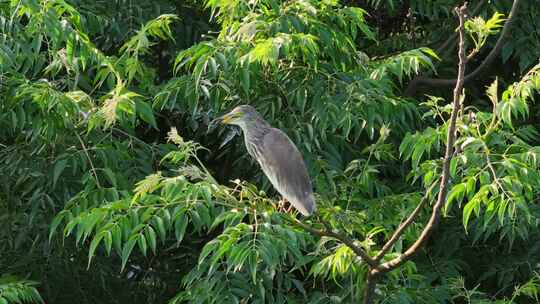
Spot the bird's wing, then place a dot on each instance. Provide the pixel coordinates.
(283, 164)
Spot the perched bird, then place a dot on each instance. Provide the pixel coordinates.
(277, 155)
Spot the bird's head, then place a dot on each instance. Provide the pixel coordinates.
(239, 115)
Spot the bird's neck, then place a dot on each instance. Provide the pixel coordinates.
(254, 132)
(256, 128)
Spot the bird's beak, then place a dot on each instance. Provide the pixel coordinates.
(215, 122)
(225, 119)
(221, 119)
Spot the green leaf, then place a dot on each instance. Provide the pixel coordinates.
(126, 250)
(142, 243)
(146, 113)
(108, 242)
(456, 194)
(471, 186)
(207, 249)
(222, 218)
(93, 246)
(180, 225)
(472, 144)
(56, 221)
(468, 210)
(453, 166)
(110, 176)
(58, 168)
(68, 230)
(245, 78)
(252, 264)
(151, 237)
(117, 238)
(160, 228)
(213, 67)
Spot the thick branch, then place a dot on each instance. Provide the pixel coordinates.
(369, 288)
(399, 231)
(342, 238)
(413, 85)
(451, 138)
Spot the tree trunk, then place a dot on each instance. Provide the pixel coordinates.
(369, 289)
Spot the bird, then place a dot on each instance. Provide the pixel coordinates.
(277, 155)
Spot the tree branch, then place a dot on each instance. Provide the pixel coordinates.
(399, 231)
(376, 270)
(413, 85)
(451, 138)
(341, 237)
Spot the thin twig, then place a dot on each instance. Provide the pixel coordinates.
(494, 172)
(328, 232)
(413, 85)
(92, 168)
(451, 139)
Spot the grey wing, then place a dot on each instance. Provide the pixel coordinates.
(285, 168)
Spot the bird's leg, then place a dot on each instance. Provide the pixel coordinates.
(289, 208)
(281, 205)
(284, 206)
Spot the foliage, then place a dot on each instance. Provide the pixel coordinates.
(114, 187)
(13, 290)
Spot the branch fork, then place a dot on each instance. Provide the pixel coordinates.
(377, 268)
